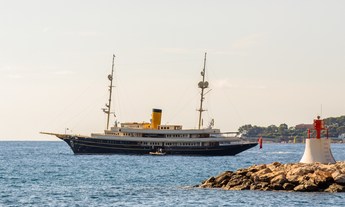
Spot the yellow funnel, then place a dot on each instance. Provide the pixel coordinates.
(156, 118)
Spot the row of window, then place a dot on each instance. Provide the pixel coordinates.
(183, 144)
(177, 135)
(161, 135)
(113, 142)
(171, 144)
(160, 143)
(113, 133)
(151, 143)
(140, 135)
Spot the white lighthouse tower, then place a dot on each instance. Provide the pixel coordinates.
(318, 149)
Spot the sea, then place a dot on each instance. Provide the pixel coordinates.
(49, 174)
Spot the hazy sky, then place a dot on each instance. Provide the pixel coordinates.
(269, 62)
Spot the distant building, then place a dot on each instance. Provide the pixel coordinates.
(304, 126)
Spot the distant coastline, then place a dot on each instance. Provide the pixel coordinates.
(294, 134)
(292, 140)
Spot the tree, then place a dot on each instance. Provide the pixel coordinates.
(283, 130)
(245, 129)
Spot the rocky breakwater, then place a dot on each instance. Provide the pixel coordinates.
(302, 177)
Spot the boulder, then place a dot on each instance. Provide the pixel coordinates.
(261, 175)
(288, 186)
(310, 186)
(242, 172)
(235, 180)
(260, 186)
(208, 183)
(326, 167)
(341, 166)
(339, 177)
(223, 178)
(299, 188)
(275, 186)
(279, 179)
(245, 185)
(322, 178)
(334, 188)
(274, 166)
(301, 170)
(294, 179)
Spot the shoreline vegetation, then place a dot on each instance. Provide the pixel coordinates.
(296, 134)
(292, 177)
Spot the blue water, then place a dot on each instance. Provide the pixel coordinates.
(49, 174)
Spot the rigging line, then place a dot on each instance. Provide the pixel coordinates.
(119, 97)
(184, 100)
(209, 112)
(157, 62)
(177, 112)
(211, 87)
(233, 106)
(70, 104)
(188, 101)
(84, 112)
(117, 103)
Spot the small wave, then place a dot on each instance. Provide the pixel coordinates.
(187, 187)
(280, 152)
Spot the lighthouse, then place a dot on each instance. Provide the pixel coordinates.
(318, 149)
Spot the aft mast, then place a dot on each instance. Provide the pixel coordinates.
(202, 84)
(108, 105)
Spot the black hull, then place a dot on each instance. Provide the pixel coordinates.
(95, 146)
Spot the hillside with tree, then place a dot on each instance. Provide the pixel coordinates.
(335, 125)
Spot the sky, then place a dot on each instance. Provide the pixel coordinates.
(268, 62)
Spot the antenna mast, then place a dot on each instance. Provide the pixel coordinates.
(321, 111)
(202, 84)
(108, 106)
